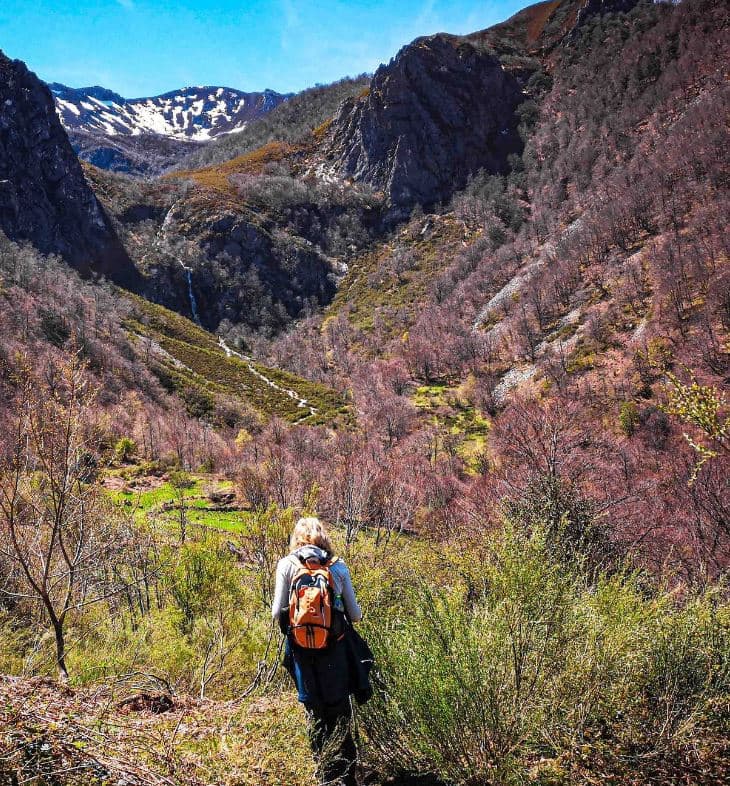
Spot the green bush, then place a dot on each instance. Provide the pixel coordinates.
(202, 579)
(628, 417)
(125, 449)
(574, 534)
(205, 635)
(55, 328)
(479, 689)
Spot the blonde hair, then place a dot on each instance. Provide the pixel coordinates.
(310, 531)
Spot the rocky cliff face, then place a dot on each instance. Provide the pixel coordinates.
(44, 197)
(439, 111)
(219, 264)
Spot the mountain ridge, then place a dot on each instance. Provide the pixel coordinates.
(44, 196)
(192, 113)
(148, 135)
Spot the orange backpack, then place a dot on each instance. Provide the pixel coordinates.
(313, 622)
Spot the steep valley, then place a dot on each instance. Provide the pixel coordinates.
(473, 311)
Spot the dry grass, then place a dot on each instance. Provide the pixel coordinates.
(116, 733)
(321, 130)
(537, 17)
(218, 176)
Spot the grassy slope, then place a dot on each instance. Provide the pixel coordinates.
(193, 361)
(216, 176)
(163, 503)
(449, 410)
(373, 289)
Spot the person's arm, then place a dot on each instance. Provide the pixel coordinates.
(354, 612)
(280, 602)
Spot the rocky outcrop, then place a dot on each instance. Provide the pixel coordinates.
(237, 269)
(438, 112)
(44, 197)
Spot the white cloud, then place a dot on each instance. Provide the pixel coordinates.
(291, 23)
(426, 15)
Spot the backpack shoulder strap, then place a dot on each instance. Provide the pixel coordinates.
(299, 569)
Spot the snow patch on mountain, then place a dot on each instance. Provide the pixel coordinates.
(192, 114)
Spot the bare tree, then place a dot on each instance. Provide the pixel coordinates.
(351, 491)
(56, 531)
(181, 483)
(393, 505)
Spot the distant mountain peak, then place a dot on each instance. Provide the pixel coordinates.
(96, 91)
(194, 113)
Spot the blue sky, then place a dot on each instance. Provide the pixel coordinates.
(146, 47)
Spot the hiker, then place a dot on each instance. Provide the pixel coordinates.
(314, 602)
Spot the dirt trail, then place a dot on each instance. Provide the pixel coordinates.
(301, 402)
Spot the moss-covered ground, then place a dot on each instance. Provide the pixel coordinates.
(448, 408)
(164, 502)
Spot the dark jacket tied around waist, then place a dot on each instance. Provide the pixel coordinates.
(326, 678)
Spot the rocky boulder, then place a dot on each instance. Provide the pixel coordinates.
(44, 196)
(441, 110)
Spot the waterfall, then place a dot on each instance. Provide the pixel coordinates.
(191, 294)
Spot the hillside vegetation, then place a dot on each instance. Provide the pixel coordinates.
(510, 408)
(558, 298)
(191, 362)
(479, 674)
(162, 379)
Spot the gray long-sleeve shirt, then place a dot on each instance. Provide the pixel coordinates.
(288, 567)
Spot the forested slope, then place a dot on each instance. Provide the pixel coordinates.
(506, 395)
